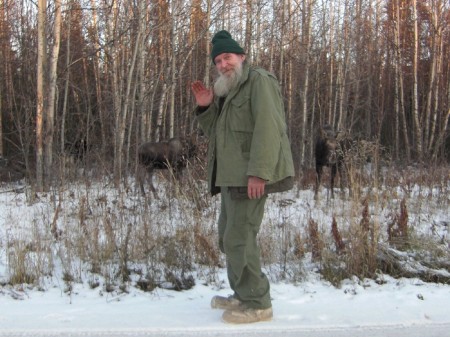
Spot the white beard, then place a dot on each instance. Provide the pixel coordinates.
(225, 83)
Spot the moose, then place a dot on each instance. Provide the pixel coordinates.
(172, 154)
(330, 149)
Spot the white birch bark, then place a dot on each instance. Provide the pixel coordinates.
(399, 82)
(40, 89)
(306, 38)
(50, 108)
(415, 98)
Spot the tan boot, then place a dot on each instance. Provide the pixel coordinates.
(225, 303)
(244, 316)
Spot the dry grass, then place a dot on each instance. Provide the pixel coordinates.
(115, 238)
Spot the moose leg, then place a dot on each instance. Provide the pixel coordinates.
(150, 182)
(333, 175)
(172, 181)
(141, 172)
(176, 178)
(319, 169)
(344, 178)
(145, 175)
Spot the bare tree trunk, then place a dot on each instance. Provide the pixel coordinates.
(4, 50)
(415, 98)
(116, 53)
(249, 29)
(396, 111)
(141, 111)
(208, 45)
(282, 37)
(436, 86)
(330, 118)
(172, 88)
(138, 89)
(340, 81)
(313, 109)
(341, 78)
(160, 120)
(399, 82)
(426, 118)
(256, 56)
(440, 141)
(130, 128)
(306, 44)
(49, 124)
(272, 36)
(128, 102)
(433, 103)
(149, 115)
(331, 65)
(66, 84)
(40, 87)
(98, 78)
(1, 124)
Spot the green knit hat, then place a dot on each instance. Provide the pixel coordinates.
(223, 43)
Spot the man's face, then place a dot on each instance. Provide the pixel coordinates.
(226, 63)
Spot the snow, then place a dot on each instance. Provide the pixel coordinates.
(311, 307)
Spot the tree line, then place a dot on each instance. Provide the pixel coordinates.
(98, 77)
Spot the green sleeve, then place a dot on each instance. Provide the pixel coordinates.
(267, 110)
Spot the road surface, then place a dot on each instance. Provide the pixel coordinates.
(432, 330)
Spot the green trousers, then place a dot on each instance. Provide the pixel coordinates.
(239, 224)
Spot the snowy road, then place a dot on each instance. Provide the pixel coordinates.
(397, 308)
(432, 330)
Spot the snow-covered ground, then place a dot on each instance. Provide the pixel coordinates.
(311, 307)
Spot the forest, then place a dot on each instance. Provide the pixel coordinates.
(84, 82)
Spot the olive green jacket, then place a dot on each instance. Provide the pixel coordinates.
(248, 137)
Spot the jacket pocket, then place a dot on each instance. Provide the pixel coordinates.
(240, 116)
(244, 139)
(241, 124)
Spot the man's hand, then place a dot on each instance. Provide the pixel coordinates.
(203, 95)
(255, 187)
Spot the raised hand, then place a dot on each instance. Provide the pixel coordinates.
(203, 95)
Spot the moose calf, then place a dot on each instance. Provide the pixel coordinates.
(171, 154)
(329, 151)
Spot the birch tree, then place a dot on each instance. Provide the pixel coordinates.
(415, 93)
(40, 91)
(127, 66)
(99, 69)
(306, 50)
(50, 107)
(3, 52)
(432, 126)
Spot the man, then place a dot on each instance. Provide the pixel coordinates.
(249, 156)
